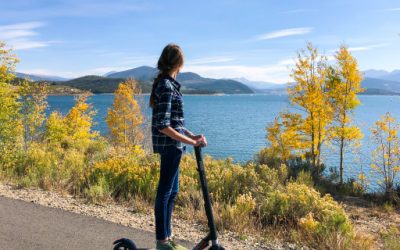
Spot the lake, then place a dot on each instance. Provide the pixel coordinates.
(235, 124)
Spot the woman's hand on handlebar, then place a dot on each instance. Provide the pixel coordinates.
(200, 140)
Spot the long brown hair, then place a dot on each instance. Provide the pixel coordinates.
(171, 60)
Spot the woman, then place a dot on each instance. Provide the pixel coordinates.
(168, 135)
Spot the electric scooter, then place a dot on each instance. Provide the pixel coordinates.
(127, 244)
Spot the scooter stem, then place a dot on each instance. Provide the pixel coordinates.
(212, 236)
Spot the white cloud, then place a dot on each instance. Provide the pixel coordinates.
(368, 47)
(287, 62)
(22, 26)
(275, 73)
(87, 8)
(45, 72)
(209, 60)
(269, 73)
(392, 9)
(19, 30)
(13, 34)
(284, 33)
(19, 36)
(72, 74)
(28, 44)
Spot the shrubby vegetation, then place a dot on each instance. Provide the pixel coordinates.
(62, 152)
(391, 238)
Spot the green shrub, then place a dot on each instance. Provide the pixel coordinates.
(39, 168)
(127, 176)
(297, 204)
(391, 238)
(305, 178)
(239, 216)
(51, 168)
(71, 171)
(99, 191)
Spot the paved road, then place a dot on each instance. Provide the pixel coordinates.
(25, 225)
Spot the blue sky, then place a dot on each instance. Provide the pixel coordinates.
(253, 39)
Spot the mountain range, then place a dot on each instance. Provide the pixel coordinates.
(374, 82)
(37, 77)
(382, 74)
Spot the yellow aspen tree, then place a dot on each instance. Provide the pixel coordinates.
(33, 98)
(125, 118)
(10, 125)
(8, 61)
(343, 85)
(55, 129)
(74, 129)
(10, 122)
(284, 137)
(309, 94)
(386, 155)
(79, 122)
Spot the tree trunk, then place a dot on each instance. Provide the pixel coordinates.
(341, 159)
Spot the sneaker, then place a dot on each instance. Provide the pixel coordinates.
(164, 246)
(177, 246)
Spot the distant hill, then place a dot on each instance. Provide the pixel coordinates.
(191, 82)
(54, 88)
(35, 77)
(100, 84)
(377, 82)
(372, 91)
(372, 86)
(386, 86)
(143, 73)
(109, 73)
(226, 86)
(147, 73)
(189, 77)
(260, 85)
(382, 74)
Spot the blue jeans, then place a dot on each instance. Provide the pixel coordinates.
(168, 187)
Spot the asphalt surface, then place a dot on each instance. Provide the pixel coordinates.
(25, 225)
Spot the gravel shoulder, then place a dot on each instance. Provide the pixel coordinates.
(26, 225)
(60, 215)
(108, 217)
(370, 219)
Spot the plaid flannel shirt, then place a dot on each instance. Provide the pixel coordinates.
(168, 111)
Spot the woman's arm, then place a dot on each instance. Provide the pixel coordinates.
(179, 137)
(189, 134)
(196, 137)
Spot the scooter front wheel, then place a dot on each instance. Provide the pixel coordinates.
(124, 244)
